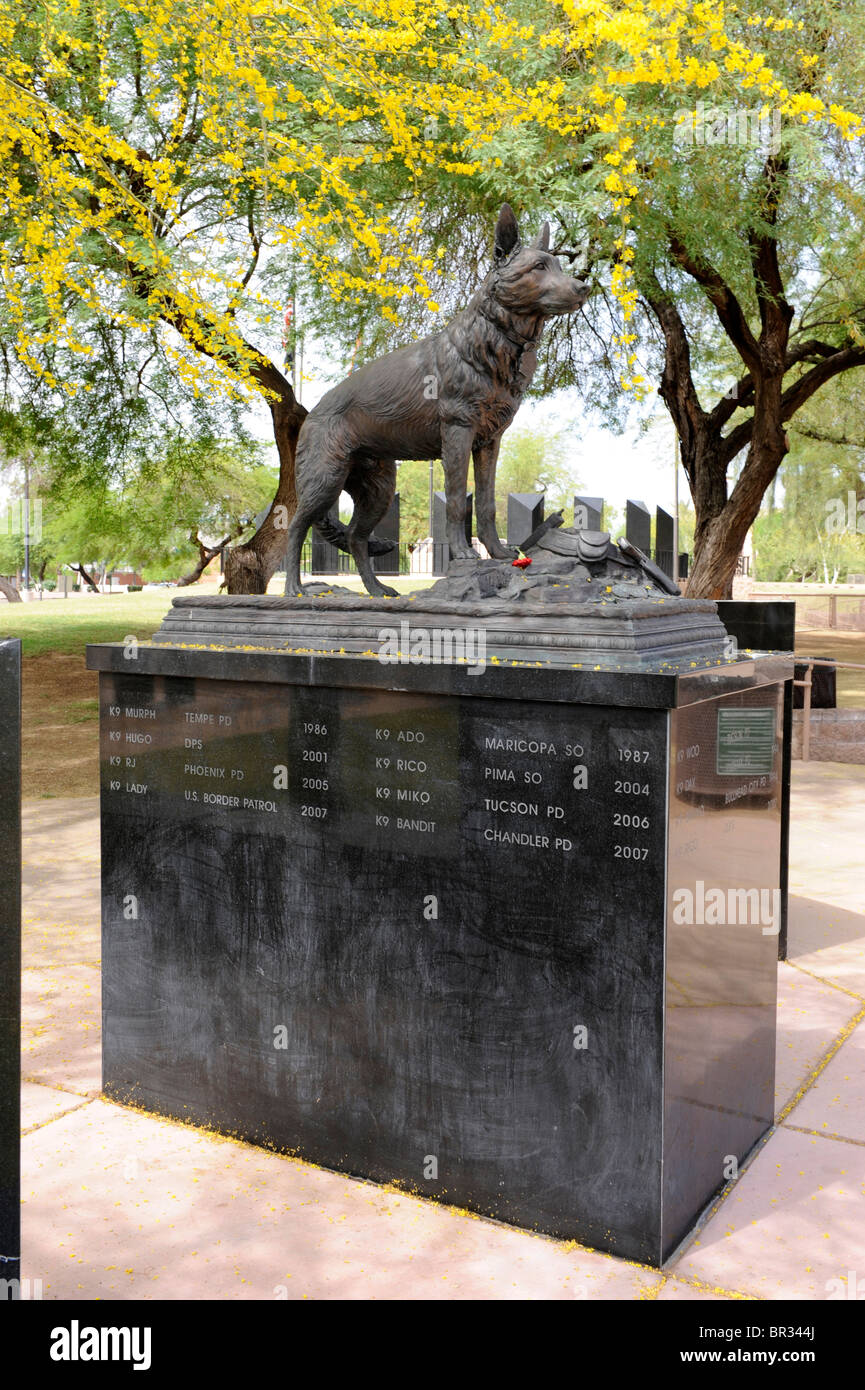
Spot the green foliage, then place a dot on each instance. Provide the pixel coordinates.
(687, 527)
(412, 481)
(194, 487)
(533, 458)
(805, 531)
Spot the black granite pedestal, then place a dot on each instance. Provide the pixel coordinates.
(10, 967)
(457, 930)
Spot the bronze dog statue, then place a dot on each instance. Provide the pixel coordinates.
(447, 396)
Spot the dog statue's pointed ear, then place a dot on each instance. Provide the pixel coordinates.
(507, 235)
(542, 240)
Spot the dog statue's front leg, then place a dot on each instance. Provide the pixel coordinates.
(485, 457)
(456, 448)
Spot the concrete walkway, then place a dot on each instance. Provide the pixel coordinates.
(119, 1204)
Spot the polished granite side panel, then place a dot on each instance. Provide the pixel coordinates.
(366, 926)
(769, 625)
(10, 956)
(763, 625)
(721, 965)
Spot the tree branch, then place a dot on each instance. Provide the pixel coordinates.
(206, 553)
(677, 384)
(796, 395)
(775, 313)
(722, 298)
(843, 441)
(802, 390)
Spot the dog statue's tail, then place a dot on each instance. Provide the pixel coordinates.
(334, 531)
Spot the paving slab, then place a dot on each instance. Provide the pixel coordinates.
(119, 1204)
(811, 1014)
(835, 1104)
(681, 1291)
(60, 903)
(40, 1104)
(825, 833)
(62, 1026)
(826, 926)
(828, 940)
(794, 1222)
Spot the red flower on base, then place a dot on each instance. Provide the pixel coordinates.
(521, 564)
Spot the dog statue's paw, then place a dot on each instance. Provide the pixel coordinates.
(502, 552)
(384, 591)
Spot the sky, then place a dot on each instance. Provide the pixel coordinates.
(613, 466)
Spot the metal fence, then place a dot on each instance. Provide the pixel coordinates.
(809, 663)
(815, 608)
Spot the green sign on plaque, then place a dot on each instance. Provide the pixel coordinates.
(746, 742)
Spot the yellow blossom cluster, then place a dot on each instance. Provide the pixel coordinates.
(286, 106)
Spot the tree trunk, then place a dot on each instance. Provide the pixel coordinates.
(707, 477)
(722, 523)
(91, 583)
(720, 535)
(715, 561)
(249, 567)
(7, 588)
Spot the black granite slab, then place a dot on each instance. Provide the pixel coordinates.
(441, 548)
(10, 964)
(423, 934)
(621, 687)
(388, 530)
(638, 525)
(324, 555)
(589, 513)
(762, 625)
(665, 542)
(525, 514)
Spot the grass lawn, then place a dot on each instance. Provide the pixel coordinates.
(65, 626)
(60, 709)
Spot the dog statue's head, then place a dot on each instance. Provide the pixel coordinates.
(528, 280)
